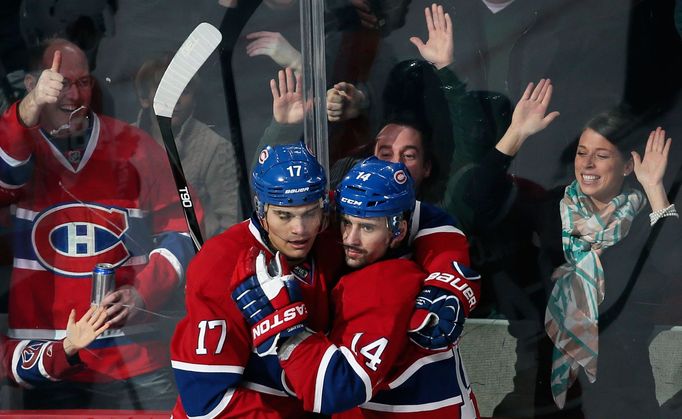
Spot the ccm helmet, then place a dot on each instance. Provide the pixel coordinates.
(377, 188)
(288, 175)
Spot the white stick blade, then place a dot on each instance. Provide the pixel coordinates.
(196, 49)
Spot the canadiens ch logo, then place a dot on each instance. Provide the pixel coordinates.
(400, 177)
(30, 355)
(70, 239)
(263, 156)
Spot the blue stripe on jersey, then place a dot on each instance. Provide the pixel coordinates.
(431, 216)
(178, 244)
(202, 391)
(15, 173)
(431, 383)
(342, 388)
(29, 362)
(265, 371)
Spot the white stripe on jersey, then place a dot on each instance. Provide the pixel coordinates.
(15, 363)
(34, 265)
(41, 366)
(409, 371)
(8, 186)
(263, 389)
(468, 411)
(319, 379)
(59, 334)
(173, 260)
(404, 408)
(30, 215)
(440, 229)
(11, 160)
(188, 366)
(359, 371)
(218, 409)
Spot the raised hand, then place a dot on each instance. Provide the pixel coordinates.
(651, 169)
(344, 101)
(530, 115)
(438, 49)
(275, 46)
(287, 99)
(45, 90)
(82, 333)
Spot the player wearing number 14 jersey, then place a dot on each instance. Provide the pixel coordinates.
(217, 373)
(367, 360)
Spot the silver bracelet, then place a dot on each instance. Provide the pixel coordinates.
(668, 211)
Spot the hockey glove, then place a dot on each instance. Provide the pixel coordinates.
(438, 319)
(271, 302)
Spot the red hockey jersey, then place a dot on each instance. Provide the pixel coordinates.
(118, 206)
(368, 351)
(217, 373)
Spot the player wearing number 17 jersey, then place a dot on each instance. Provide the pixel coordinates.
(216, 372)
(366, 360)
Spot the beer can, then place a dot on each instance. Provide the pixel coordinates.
(103, 282)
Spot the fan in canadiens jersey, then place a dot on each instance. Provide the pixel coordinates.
(86, 189)
(366, 359)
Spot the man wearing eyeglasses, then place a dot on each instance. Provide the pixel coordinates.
(86, 189)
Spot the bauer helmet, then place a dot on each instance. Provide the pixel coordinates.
(288, 175)
(377, 188)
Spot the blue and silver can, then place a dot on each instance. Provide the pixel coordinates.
(103, 282)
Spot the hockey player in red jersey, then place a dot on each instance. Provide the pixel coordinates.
(86, 189)
(366, 360)
(211, 351)
(216, 372)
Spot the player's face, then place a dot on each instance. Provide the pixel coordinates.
(365, 240)
(599, 168)
(292, 230)
(399, 143)
(76, 93)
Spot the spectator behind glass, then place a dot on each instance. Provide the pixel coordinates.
(208, 160)
(595, 226)
(86, 189)
(416, 95)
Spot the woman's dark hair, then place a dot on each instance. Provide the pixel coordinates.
(616, 125)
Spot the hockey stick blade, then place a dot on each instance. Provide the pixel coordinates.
(196, 49)
(190, 57)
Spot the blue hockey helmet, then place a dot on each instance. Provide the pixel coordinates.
(288, 175)
(377, 188)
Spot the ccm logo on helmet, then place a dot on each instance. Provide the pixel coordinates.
(351, 201)
(455, 282)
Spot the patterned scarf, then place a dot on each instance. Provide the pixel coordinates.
(572, 315)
